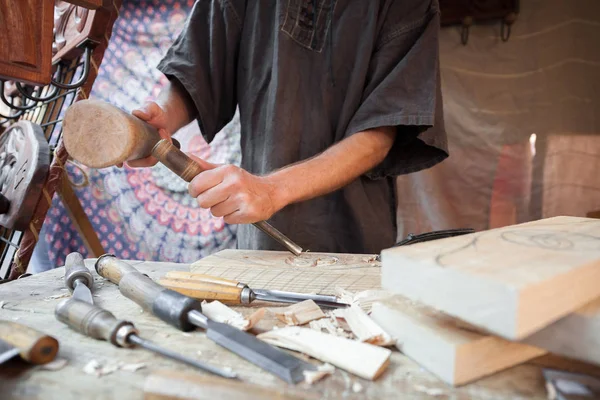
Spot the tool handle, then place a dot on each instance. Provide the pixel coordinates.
(94, 321)
(182, 165)
(35, 347)
(75, 269)
(204, 290)
(204, 278)
(168, 305)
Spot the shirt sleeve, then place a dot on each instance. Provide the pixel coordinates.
(403, 89)
(203, 59)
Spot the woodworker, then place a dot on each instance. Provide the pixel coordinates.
(336, 98)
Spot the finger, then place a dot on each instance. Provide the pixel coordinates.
(236, 217)
(142, 162)
(204, 164)
(212, 197)
(142, 113)
(165, 135)
(204, 181)
(226, 207)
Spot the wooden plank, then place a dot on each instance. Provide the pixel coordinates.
(28, 301)
(309, 273)
(26, 45)
(435, 341)
(511, 281)
(576, 336)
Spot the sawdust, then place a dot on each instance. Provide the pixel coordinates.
(322, 371)
(55, 365)
(94, 367)
(357, 387)
(132, 367)
(429, 391)
(57, 296)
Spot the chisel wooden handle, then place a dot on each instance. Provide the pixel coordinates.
(35, 347)
(168, 305)
(204, 278)
(204, 290)
(75, 269)
(182, 165)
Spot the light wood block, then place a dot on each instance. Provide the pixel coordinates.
(435, 341)
(510, 281)
(576, 336)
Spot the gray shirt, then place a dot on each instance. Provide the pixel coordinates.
(305, 75)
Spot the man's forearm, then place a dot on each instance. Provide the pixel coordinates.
(178, 106)
(332, 169)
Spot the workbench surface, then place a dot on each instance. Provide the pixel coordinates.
(31, 301)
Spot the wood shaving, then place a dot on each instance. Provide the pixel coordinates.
(429, 391)
(219, 312)
(299, 313)
(322, 371)
(57, 296)
(55, 365)
(364, 299)
(552, 395)
(2, 303)
(132, 367)
(357, 387)
(187, 334)
(365, 329)
(330, 325)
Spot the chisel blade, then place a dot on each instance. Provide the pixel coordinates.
(7, 351)
(266, 356)
(82, 292)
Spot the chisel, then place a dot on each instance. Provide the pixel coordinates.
(98, 323)
(32, 345)
(207, 287)
(83, 316)
(185, 314)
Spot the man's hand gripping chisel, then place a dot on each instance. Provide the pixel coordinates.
(80, 314)
(185, 314)
(206, 287)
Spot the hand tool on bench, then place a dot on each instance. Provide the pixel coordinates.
(185, 314)
(32, 345)
(98, 135)
(207, 287)
(81, 315)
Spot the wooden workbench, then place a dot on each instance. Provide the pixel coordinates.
(31, 301)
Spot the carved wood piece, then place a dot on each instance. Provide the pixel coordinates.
(25, 47)
(69, 24)
(24, 163)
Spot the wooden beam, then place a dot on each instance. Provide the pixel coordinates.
(79, 218)
(439, 344)
(511, 281)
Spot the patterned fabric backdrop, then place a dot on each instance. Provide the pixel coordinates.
(142, 213)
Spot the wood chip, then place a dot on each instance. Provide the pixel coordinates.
(365, 329)
(55, 365)
(299, 313)
(362, 359)
(219, 312)
(315, 376)
(329, 325)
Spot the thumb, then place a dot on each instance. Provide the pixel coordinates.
(201, 162)
(146, 112)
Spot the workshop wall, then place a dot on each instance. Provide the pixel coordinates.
(523, 124)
